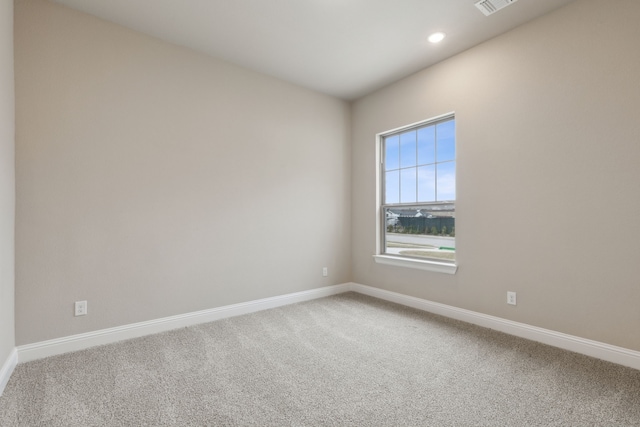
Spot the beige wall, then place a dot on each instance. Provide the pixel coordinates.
(548, 128)
(7, 181)
(154, 181)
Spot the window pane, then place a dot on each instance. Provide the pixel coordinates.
(408, 149)
(427, 145)
(446, 179)
(446, 141)
(420, 191)
(427, 183)
(408, 185)
(426, 231)
(392, 187)
(392, 152)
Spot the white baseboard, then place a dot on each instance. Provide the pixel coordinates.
(106, 336)
(53, 347)
(610, 353)
(7, 369)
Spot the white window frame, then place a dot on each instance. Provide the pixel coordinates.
(403, 261)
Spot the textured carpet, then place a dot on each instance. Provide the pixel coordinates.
(346, 360)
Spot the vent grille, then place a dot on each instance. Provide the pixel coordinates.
(489, 7)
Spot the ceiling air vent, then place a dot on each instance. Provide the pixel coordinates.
(489, 7)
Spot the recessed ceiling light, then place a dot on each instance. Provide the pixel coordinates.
(436, 37)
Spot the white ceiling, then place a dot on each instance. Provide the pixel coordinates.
(345, 48)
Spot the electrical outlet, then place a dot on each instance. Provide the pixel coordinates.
(81, 308)
(511, 298)
(325, 271)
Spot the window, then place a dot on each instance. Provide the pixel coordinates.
(418, 186)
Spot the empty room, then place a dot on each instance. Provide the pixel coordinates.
(319, 212)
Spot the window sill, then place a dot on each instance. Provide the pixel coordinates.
(439, 267)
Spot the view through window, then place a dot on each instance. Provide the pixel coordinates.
(418, 191)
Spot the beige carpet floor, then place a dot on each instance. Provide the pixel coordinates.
(346, 360)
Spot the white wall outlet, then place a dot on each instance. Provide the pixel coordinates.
(511, 298)
(325, 271)
(81, 308)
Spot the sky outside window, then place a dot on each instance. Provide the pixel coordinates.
(420, 164)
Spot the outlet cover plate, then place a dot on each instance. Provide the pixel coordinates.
(80, 308)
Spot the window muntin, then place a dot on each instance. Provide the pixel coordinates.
(418, 191)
